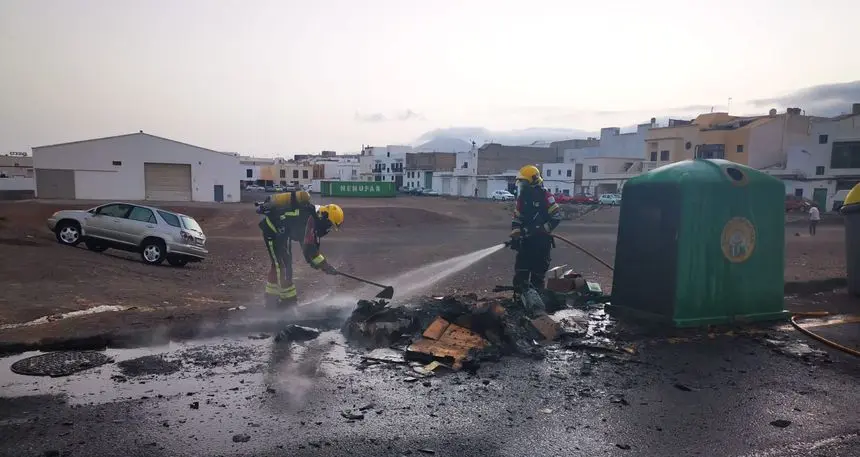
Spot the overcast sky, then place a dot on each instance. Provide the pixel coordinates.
(277, 77)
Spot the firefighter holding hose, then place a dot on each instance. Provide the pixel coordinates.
(287, 217)
(535, 217)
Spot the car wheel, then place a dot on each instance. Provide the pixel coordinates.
(153, 251)
(95, 246)
(68, 233)
(177, 261)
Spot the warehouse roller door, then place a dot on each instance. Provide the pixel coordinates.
(167, 182)
(55, 184)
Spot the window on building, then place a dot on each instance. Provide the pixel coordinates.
(822, 139)
(819, 171)
(295, 174)
(845, 154)
(592, 169)
(283, 173)
(548, 172)
(283, 183)
(653, 156)
(710, 151)
(740, 148)
(465, 165)
(664, 156)
(798, 192)
(249, 173)
(304, 174)
(115, 163)
(569, 173)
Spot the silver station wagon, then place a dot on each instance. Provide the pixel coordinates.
(156, 234)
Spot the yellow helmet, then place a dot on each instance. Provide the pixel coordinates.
(530, 174)
(333, 213)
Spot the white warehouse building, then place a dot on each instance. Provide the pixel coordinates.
(137, 166)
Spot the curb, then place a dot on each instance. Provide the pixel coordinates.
(814, 286)
(186, 330)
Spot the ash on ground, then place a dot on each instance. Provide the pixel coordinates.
(149, 365)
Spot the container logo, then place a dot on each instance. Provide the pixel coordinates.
(738, 239)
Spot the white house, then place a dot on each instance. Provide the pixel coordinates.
(137, 166)
(827, 162)
(345, 169)
(613, 143)
(558, 178)
(16, 176)
(605, 175)
(252, 169)
(383, 163)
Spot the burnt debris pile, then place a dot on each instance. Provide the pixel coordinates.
(462, 331)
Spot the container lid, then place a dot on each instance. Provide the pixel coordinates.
(853, 197)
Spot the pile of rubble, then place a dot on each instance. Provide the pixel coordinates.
(459, 332)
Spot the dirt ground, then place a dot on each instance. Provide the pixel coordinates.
(381, 239)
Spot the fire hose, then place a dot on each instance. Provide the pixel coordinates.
(818, 337)
(793, 319)
(578, 247)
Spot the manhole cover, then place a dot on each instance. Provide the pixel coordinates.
(61, 363)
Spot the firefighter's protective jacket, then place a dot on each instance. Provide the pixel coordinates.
(294, 216)
(536, 211)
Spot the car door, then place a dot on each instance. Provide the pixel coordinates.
(106, 220)
(137, 225)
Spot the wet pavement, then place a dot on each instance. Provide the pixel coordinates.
(729, 393)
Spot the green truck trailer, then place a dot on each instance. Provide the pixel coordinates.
(358, 189)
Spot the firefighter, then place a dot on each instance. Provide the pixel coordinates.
(292, 216)
(535, 217)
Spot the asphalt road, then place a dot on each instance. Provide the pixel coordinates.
(707, 396)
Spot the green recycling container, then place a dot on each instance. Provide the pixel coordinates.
(851, 212)
(701, 242)
(358, 189)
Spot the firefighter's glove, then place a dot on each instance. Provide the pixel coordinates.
(326, 267)
(515, 243)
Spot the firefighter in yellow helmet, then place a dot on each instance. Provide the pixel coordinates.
(292, 216)
(535, 217)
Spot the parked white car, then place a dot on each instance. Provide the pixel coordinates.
(254, 188)
(502, 195)
(610, 199)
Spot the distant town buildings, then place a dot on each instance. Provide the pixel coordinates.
(818, 158)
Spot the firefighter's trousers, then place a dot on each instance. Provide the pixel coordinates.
(532, 262)
(280, 289)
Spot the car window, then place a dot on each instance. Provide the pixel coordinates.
(142, 215)
(114, 210)
(191, 224)
(171, 219)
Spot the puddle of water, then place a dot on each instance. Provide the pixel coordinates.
(237, 364)
(54, 317)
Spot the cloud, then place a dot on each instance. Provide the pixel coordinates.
(373, 117)
(401, 116)
(822, 100)
(562, 114)
(511, 137)
(409, 115)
